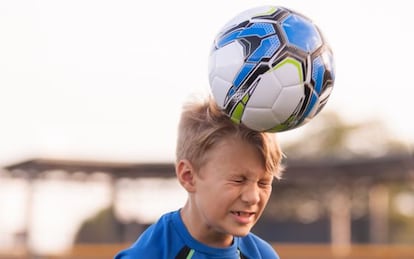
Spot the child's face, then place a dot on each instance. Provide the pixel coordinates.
(232, 190)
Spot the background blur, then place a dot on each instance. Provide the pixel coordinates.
(90, 97)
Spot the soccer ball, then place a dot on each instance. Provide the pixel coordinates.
(271, 69)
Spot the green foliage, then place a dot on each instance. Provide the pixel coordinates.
(330, 135)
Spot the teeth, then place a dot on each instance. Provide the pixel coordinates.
(244, 214)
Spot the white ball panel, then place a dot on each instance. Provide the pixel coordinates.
(266, 92)
(288, 100)
(228, 61)
(219, 88)
(288, 74)
(259, 119)
(212, 66)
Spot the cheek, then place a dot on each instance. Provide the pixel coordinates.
(213, 193)
(265, 196)
(223, 197)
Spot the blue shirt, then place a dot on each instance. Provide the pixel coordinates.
(168, 238)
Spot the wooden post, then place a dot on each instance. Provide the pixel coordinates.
(340, 223)
(378, 214)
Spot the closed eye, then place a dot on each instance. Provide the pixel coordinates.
(238, 179)
(265, 184)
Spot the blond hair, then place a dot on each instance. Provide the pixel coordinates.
(203, 124)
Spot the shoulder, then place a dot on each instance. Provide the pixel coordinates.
(145, 245)
(253, 246)
(151, 240)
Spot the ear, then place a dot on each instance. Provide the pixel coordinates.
(186, 175)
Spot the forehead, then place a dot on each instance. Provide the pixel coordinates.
(235, 156)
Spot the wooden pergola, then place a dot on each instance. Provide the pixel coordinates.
(37, 168)
(389, 168)
(372, 171)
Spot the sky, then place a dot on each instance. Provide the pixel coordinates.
(105, 80)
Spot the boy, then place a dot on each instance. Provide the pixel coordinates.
(227, 171)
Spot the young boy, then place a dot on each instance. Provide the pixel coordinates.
(227, 171)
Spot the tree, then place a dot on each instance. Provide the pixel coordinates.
(329, 135)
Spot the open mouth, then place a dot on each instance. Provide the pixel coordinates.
(243, 217)
(243, 214)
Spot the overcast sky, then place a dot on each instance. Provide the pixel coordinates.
(106, 79)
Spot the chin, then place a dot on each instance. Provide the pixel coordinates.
(241, 232)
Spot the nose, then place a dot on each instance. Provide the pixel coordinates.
(250, 194)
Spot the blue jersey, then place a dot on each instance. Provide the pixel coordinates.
(169, 239)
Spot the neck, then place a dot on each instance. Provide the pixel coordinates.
(202, 231)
